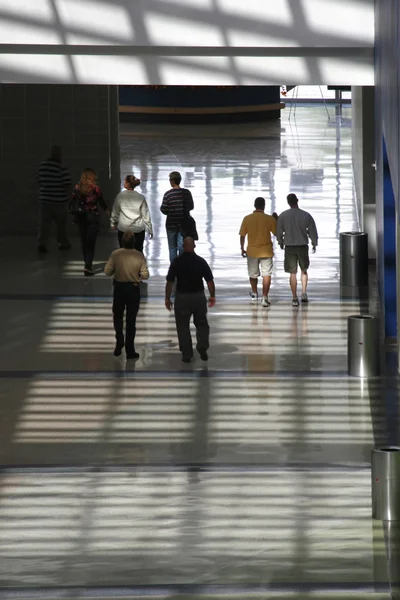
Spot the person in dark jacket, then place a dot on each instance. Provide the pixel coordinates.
(89, 197)
(189, 270)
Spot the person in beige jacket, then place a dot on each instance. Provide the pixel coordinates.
(131, 213)
(129, 268)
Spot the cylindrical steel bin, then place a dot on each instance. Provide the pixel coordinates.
(363, 348)
(354, 259)
(385, 475)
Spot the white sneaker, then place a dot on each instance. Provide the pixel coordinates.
(253, 296)
(265, 302)
(304, 298)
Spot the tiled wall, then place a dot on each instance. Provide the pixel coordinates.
(83, 120)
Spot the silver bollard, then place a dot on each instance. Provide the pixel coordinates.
(363, 348)
(354, 259)
(385, 476)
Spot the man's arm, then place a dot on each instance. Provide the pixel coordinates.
(280, 234)
(273, 222)
(312, 232)
(242, 239)
(209, 277)
(169, 285)
(189, 201)
(243, 232)
(67, 183)
(109, 269)
(168, 292)
(211, 289)
(144, 211)
(164, 206)
(116, 209)
(144, 270)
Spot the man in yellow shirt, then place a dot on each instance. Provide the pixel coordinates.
(258, 227)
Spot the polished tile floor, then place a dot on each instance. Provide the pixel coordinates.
(244, 478)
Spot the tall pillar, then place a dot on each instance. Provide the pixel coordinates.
(363, 141)
(83, 120)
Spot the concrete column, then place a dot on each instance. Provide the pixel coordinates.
(363, 140)
(83, 120)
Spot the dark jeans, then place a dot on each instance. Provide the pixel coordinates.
(88, 224)
(49, 212)
(175, 241)
(138, 239)
(126, 296)
(187, 305)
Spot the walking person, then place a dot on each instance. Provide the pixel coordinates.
(129, 268)
(176, 205)
(55, 190)
(131, 213)
(87, 197)
(258, 228)
(294, 228)
(189, 270)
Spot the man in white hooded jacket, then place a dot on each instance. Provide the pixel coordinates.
(131, 213)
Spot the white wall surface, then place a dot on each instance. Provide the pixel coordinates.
(192, 42)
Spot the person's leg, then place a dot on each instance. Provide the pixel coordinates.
(120, 236)
(304, 263)
(290, 265)
(304, 282)
(266, 265)
(253, 268)
(172, 236)
(118, 316)
(179, 242)
(91, 238)
(81, 223)
(45, 221)
(201, 324)
(132, 309)
(61, 218)
(183, 312)
(293, 284)
(139, 241)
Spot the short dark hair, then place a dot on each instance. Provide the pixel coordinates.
(175, 177)
(292, 200)
(128, 240)
(259, 203)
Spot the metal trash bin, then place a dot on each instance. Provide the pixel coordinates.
(363, 348)
(385, 479)
(354, 259)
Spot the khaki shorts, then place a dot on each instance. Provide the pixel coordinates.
(296, 255)
(254, 265)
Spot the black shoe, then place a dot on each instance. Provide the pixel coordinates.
(42, 250)
(187, 359)
(118, 350)
(88, 273)
(203, 355)
(132, 355)
(64, 247)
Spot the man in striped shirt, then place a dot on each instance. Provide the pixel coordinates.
(177, 204)
(55, 187)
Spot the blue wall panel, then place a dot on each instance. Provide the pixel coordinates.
(387, 153)
(389, 212)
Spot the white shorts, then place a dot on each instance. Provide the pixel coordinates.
(254, 266)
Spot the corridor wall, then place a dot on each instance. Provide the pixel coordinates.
(387, 153)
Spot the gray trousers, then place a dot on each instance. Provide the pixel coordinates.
(185, 306)
(49, 212)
